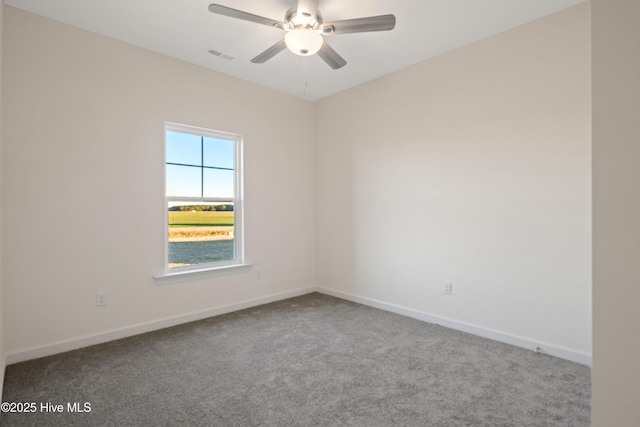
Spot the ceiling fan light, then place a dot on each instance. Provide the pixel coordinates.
(303, 41)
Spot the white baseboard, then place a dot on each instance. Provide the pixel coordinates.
(546, 348)
(141, 328)
(114, 334)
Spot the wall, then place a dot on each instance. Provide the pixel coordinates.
(2, 357)
(84, 204)
(616, 212)
(473, 168)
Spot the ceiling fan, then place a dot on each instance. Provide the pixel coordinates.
(305, 30)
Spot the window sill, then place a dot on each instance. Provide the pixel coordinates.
(201, 273)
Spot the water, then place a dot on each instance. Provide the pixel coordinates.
(200, 252)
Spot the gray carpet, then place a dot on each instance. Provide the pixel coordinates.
(308, 361)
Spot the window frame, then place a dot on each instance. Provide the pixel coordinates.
(237, 200)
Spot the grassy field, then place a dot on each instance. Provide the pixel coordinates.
(200, 219)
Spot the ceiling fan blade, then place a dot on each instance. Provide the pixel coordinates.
(360, 25)
(308, 6)
(331, 57)
(269, 53)
(234, 13)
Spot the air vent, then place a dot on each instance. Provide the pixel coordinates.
(220, 54)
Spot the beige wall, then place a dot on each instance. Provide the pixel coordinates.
(474, 168)
(616, 212)
(2, 357)
(84, 202)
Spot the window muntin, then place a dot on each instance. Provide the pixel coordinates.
(203, 198)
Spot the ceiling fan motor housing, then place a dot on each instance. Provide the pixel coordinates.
(294, 20)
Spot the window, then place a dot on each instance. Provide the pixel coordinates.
(203, 198)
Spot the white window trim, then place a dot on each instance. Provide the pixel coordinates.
(171, 275)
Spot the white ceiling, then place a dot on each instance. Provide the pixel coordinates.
(185, 29)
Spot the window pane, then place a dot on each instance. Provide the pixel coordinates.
(200, 233)
(218, 153)
(218, 183)
(184, 148)
(184, 181)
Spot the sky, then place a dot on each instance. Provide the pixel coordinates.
(202, 165)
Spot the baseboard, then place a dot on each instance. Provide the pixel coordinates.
(546, 348)
(141, 328)
(114, 334)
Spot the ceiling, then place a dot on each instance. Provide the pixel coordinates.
(186, 30)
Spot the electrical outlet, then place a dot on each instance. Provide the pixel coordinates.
(101, 299)
(447, 288)
(258, 273)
